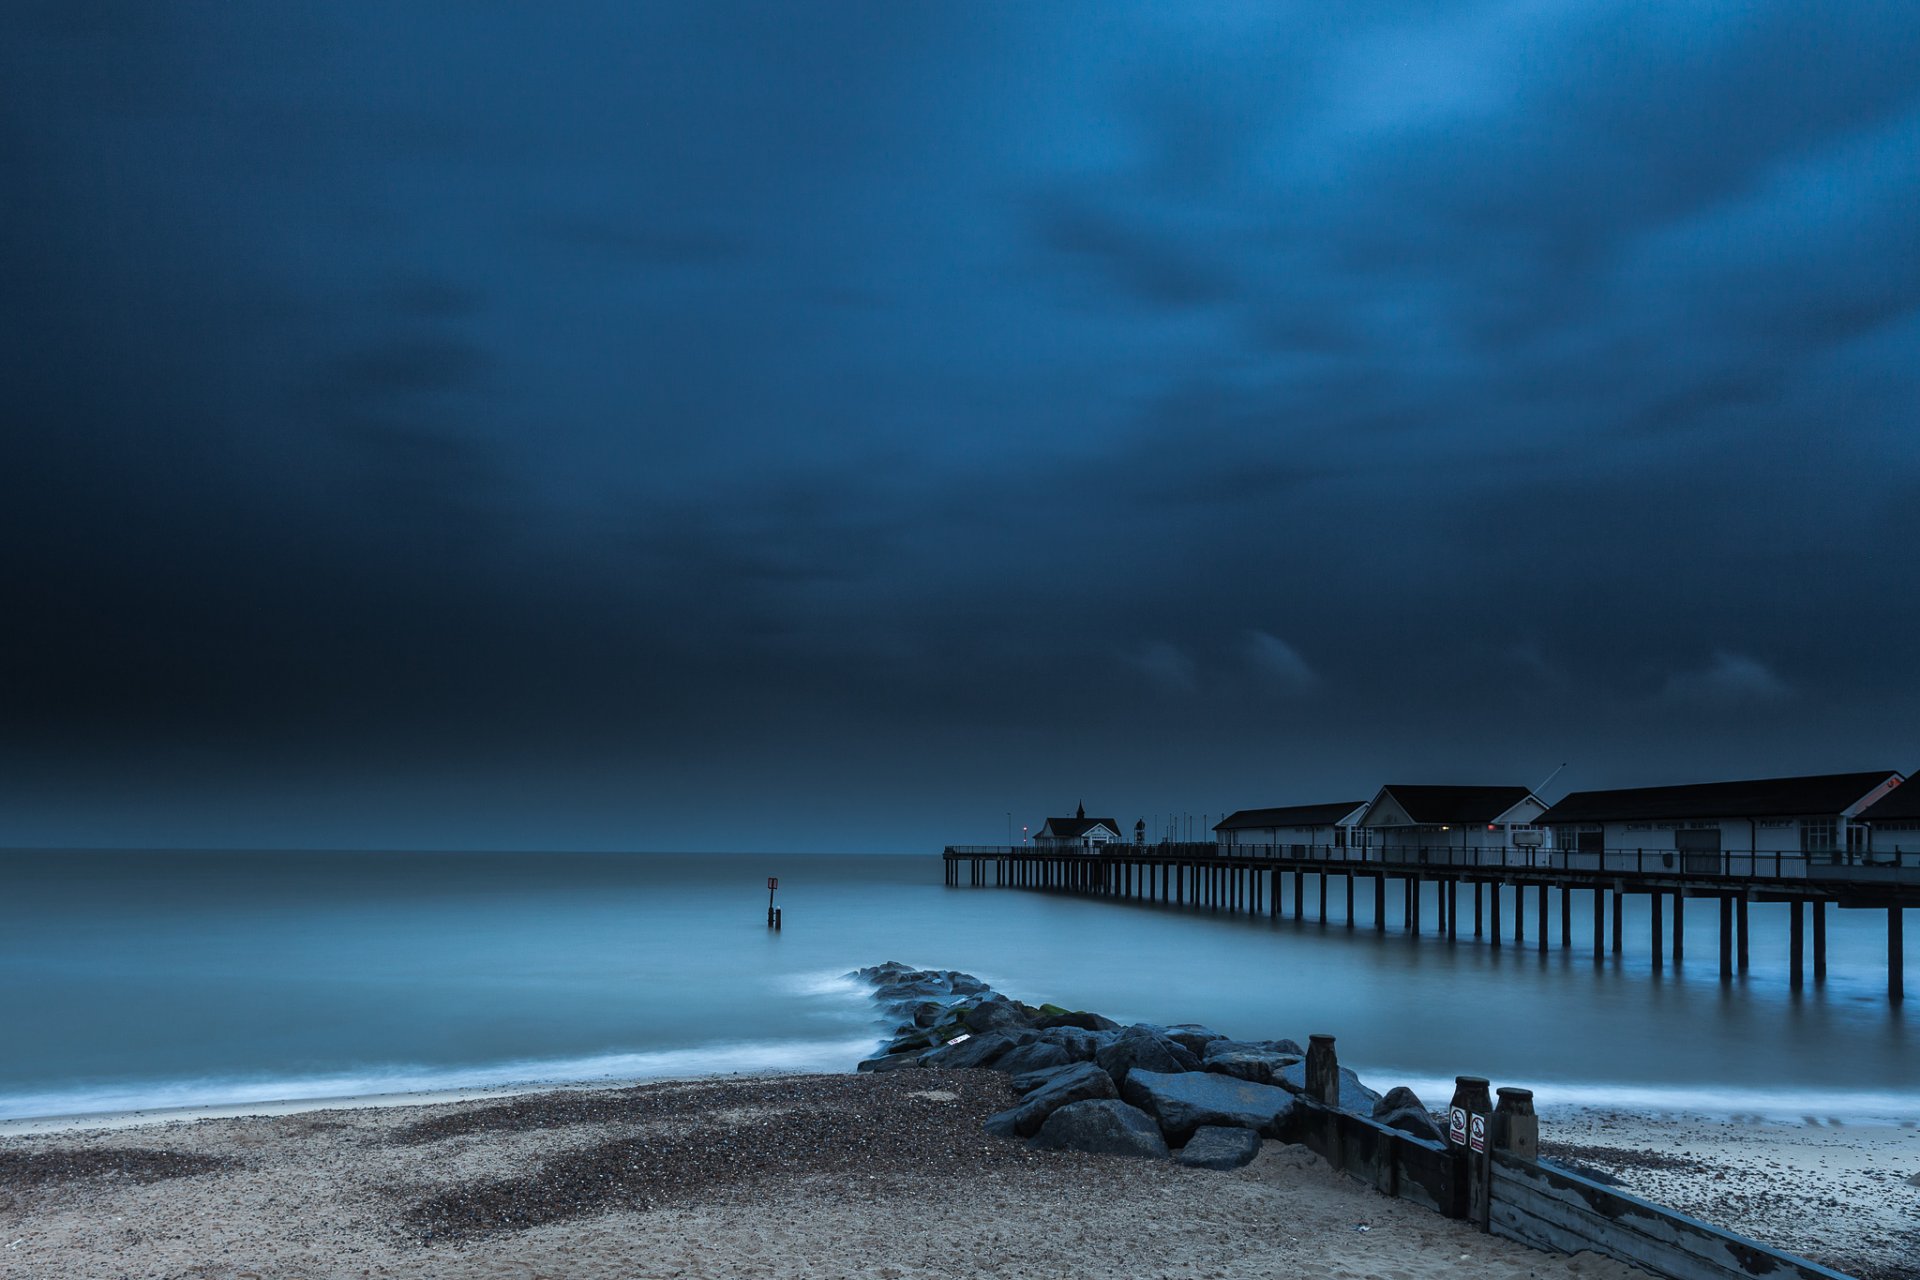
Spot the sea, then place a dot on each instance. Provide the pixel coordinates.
(132, 980)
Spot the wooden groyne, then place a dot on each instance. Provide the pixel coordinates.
(1254, 880)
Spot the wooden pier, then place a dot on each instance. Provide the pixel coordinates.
(1254, 880)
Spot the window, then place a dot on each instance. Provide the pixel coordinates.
(1818, 835)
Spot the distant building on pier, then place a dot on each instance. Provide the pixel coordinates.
(1079, 831)
(1325, 826)
(1893, 824)
(1822, 817)
(1403, 816)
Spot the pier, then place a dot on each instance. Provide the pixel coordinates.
(1272, 880)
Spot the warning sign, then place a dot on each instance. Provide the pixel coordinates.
(1457, 1126)
(1478, 1129)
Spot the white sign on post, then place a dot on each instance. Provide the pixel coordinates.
(1479, 1131)
(1457, 1126)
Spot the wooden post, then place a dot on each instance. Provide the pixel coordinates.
(1679, 925)
(1349, 899)
(1796, 944)
(1323, 1070)
(1516, 1126)
(1542, 930)
(1470, 1098)
(1299, 893)
(1519, 912)
(1380, 903)
(1619, 919)
(1599, 923)
(1740, 930)
(1820, 941)
(1566, 917)
(1476, 909)
(1493, 912)
(1726, 936)
(1413, 905)
(1323, 897)
(1453, 909)
(1896, 954)
(1657, 928)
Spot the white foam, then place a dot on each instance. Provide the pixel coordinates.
(719, 1058)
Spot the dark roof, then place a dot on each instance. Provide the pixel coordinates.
(1901, 804)
(1756, 798)
(1074, 828)
(1296, 815)
(1448, 806)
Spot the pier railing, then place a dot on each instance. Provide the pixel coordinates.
(1901, 867)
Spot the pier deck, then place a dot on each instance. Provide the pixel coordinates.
(1253, 880)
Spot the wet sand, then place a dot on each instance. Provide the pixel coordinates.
(805, 1177)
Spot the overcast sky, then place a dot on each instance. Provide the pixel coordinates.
(845, 426)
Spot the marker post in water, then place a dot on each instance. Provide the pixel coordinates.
(773, 913)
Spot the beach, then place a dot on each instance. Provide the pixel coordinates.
(795, 1176)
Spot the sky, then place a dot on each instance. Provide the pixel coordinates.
(875, 426)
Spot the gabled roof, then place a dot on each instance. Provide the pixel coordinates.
(1074, 828)
(1823, 793)
(1297, 815)
(1902, 804)
(1454, 806)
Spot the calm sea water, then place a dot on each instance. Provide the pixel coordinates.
(141, 979)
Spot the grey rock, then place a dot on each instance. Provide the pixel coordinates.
(1414, 1120)
(1258, 1066)
(1032, 1057)
(1193, 1037)
(997, 1013)
(1028, 1081)
(1078, 1018)
(1079, 1045)
(1183, 1102)
(1080, 1082)
(1141, 1048)
(1104, 1127)
(975, 1051)
(1354, 1096)
(1398, 1098)
(1225, 1045)
(890, 1062)
(1215, 1146)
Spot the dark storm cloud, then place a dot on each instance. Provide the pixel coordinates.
(479, 424)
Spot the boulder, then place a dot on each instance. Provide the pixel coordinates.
(1080, 1082)
(1028, 1081)
(1191, 1036)
(1354, 1096)
(1183, 1102)
(1079, 1045)
(997, 1013)
(1215, 1146)
(1414, 1120)
(1258, 1066)
(1141, 1048)
(1397, 1098)
(1032, 1057)
(974, 1051)
(1079, 1018)
(1105, 1127)
(890, 1062)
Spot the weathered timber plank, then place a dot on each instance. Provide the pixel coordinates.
(1606, 1217)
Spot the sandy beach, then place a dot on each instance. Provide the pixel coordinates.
(823, 1176)
(812, 1176)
